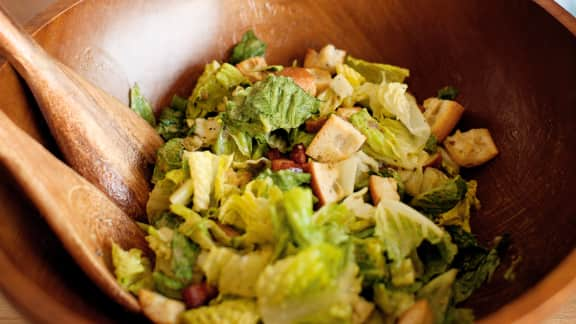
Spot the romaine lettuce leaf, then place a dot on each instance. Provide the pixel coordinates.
(233, 273)
(438, 292)
(208, 173)
(171, 123)
(369, 256)
(460, 214)
(159, 200)
(317, 285)
(388, 141)
(168, 157)
(141, 106)
(249, 46)
(392, 302)
(402, 229)
(442, 198)
(286, 179)
(391, 100)
(274, 103)
(374, 72)
(216, 83)
(250, 213)
(228, 312)
(132, 269)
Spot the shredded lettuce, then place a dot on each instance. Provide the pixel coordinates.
(388, 141)
(377, 72)
(317, 285)
(212, 87)
(286, 179)
(442, 198)
(391, 100)
(168, 157)
(234, 273)
(131, 268)
(275, 103)
(249, 46)
(229, 311)
(402, 229)
(140, 105)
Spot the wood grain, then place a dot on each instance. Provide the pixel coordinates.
(104, 140)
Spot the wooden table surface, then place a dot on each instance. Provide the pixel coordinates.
(23, 10)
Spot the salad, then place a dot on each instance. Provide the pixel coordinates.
(321, 193)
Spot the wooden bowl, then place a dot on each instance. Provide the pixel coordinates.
(513, 62)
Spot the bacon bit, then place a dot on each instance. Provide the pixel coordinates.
(298, 154)
(284, 164)
(273, 154)
(197, 295)
(314, 125)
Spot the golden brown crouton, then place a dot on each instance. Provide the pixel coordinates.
(160, 309)
(328, 58)
(383, 188)
(302, 77)
(471, 148)
(419, 313)
(322, 78)
(337, 140)
(442, 116)
(253, 68)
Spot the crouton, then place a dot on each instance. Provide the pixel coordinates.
(347, 112)
(383, 188)
(337, 140)
(419, 313)
(325, 182)
(442, 116)
(253, 68)
(328, 58)
(302, 77)
(160, 309)
(471, 148)
(322, 79)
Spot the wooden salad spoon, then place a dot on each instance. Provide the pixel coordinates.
(86, 221)
(102, 139)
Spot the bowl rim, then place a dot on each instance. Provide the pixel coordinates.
(532, 306)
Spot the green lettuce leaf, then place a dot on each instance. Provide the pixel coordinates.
(132, 270)
(249, 46)
(141, 106)
(459, 316)
(373, 72)
(392, 302)
(275, 103)
(286, 179)
(208, 173)
(402, 229)
(251, 213)
(391, 100)
(460, 214)
(172, 120)
(229, 311)
(436, 259)
(438, 292)
(233, 273)
(441, 199)
(317, 285)
(388, 141)
(213, 86)
(168, 157)
(370, 258)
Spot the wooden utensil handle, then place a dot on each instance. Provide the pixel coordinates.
(84, 219)
(16, 46)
